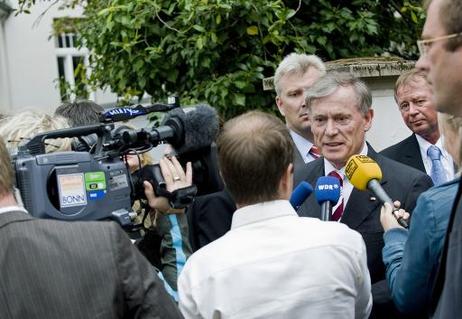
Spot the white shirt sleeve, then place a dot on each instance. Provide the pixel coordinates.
(363, 286)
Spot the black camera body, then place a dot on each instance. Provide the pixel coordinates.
(97, 184)
(74, 186)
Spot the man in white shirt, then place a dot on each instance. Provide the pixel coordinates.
(414, 97)
(272, 263)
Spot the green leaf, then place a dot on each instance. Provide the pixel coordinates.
(252, 30)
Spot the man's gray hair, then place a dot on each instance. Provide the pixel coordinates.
(330, 82)
(296, 63)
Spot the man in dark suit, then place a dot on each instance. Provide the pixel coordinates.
(414, 97)
(210, 215)
(53, 269)
(340, 109)
(441, 59)
(293, 76)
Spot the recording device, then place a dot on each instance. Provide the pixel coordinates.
(327, 192)
(300, 194)
(365, 174)
(98, 185)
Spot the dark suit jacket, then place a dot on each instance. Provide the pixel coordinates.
(52, 269)
(447, 292)
(209, 218)
(362, 212)
(407, 152)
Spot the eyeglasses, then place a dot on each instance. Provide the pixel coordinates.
(424, 45)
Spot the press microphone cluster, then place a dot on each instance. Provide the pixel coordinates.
(365, 174)
(300, 194)
(327, 192)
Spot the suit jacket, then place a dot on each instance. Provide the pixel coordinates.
(362, 212)
(209, 218)
(447, 292)
(299, 167)
(407, 152)
(54, 269)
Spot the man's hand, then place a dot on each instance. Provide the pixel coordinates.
(174, 177)
(388, 217)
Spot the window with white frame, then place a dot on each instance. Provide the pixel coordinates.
(73, 67)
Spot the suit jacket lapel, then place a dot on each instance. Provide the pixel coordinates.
(314, 170)
(412, 153)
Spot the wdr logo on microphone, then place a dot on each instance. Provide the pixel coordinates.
(327, 187)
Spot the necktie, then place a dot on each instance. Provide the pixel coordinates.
(339, 210)
(314, 151)
(437, 172)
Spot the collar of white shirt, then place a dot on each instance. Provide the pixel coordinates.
(262, 211)
(12, 209)
(303, 146)
(446, 158)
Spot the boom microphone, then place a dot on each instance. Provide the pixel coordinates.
(327, 192)
(364, 173)
(200, 126)
(300, 194)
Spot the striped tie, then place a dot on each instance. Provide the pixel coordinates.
(314, 151)
(337, 214)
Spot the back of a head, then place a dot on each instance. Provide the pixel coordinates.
(255, 150)
(6, 170)
(20, 128)
(80, 113)
(296, 63)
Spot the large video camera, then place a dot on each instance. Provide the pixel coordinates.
(97, 185)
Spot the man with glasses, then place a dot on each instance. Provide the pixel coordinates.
(441, 60)
(424, 149)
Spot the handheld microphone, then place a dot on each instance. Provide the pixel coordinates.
(364, 173)
(300, 194)
(327, 192)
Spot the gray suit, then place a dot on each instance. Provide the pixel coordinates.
(52, 269)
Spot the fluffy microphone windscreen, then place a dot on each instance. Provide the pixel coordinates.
(200, 127)
(360, 169)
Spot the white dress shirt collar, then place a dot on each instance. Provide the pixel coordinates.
(12, 209)
(262, 211)
(303, 146)
(446, 158)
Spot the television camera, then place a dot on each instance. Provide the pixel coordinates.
(96, 184)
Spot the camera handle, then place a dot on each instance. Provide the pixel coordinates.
(36, 145)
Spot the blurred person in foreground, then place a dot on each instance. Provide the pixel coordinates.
(55, 269)
(272, 263)
(412, 256)
(441, 60)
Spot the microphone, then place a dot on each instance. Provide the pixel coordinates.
(364, 173)
(327, 192)
(300, 194)
(185, 131)
(200, 125)
(129, 112)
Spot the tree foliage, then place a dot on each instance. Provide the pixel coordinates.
(220, 50)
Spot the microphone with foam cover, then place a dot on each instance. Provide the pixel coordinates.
(364, 173)
(300, 194)
(199, 127)
(327, 192)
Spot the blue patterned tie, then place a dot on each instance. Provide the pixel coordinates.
(437, 172)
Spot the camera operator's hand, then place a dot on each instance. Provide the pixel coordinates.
(175, 178)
